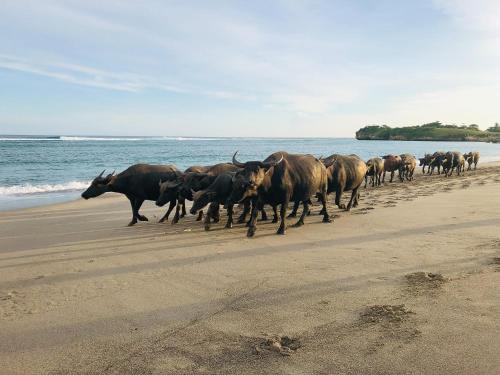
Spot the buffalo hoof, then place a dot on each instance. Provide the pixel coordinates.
(298, 224)
(228, 225)
(241, 220)
(327, 219)
(132, 223)
(207, 227)
(182, 215)
(251, 231)
(275, 220)
(342, 206)
(280, 231)
(308, 212)
(216, 219)
(142, 218)
(292, 214)
(175, 220)
(162, 220)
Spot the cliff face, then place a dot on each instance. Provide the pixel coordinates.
(428, 132)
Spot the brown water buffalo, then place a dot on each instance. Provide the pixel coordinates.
(279, 179)
(453, 160)
(190, 181)
(138, 183)
(346, 173)
(436, 162)
(374, 169)
(407, 168)
(425, 162)
(392, 163)
(472, 158)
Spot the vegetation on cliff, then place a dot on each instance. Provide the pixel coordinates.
(434, 131)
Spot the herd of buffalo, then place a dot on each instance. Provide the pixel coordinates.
(276, 181)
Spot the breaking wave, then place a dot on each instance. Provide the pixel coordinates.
(27, 189)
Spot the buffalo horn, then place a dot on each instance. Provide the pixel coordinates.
(236, 162)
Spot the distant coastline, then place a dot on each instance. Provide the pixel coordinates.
(434, 131)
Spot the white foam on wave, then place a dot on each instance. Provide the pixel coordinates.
(27, 189)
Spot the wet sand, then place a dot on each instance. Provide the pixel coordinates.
(407, 283)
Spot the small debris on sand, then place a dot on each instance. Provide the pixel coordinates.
(283, 345)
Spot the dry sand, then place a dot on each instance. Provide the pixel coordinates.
(407, 283)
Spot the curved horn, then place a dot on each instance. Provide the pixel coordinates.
(236, 162)
(102, 173)
(270, 164)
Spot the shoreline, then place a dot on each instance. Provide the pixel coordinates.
(414, 291)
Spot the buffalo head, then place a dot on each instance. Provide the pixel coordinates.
(168, 191)
(247, 181)
(98, 186)
(201, 199)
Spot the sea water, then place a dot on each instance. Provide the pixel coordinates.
(38, 170)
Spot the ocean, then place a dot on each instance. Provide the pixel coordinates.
(38, 170)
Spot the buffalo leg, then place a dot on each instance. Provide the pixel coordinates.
(253, 218)
(170, 208)
(180, 202)
(383, 178)
(392, 176)
(326, 216)
(212, 212)
(354, 194)
(229, 223)
(338, 197)
(263, 214)
(356, 199)
(275, 214)
(366, 180)
(183, 213)
(304, 213)
(294, 209)
(283, 208)
(138, 204)
(132, 205)
(246, 210)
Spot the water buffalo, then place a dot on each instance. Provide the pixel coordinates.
(425, 162)
(346, 173)
(392, 163)
(216, 194)
(407, 168)
(374, 169)
(472, 158)
(436, 162)
(193, 179)
(279, 179)
(453, 160)
(138, 183)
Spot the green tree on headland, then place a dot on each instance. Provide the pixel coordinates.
(433, 131)
(495, 128)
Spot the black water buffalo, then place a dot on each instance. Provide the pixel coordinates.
(407, 167)
(374, 169)
(193, 179)
(138, 183)
(216, 194)
(472, 158)
(345, 173)
(279, 179)
(425, 162)
(392, 163)
(436, 162)
(453, 160)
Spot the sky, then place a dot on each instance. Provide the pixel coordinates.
(279, 68)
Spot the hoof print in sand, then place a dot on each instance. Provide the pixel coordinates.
(385, 314)
(421, 281)
(282, 345)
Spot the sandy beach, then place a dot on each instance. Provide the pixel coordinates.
(407, 283)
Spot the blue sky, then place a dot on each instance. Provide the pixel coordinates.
(245, 68)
